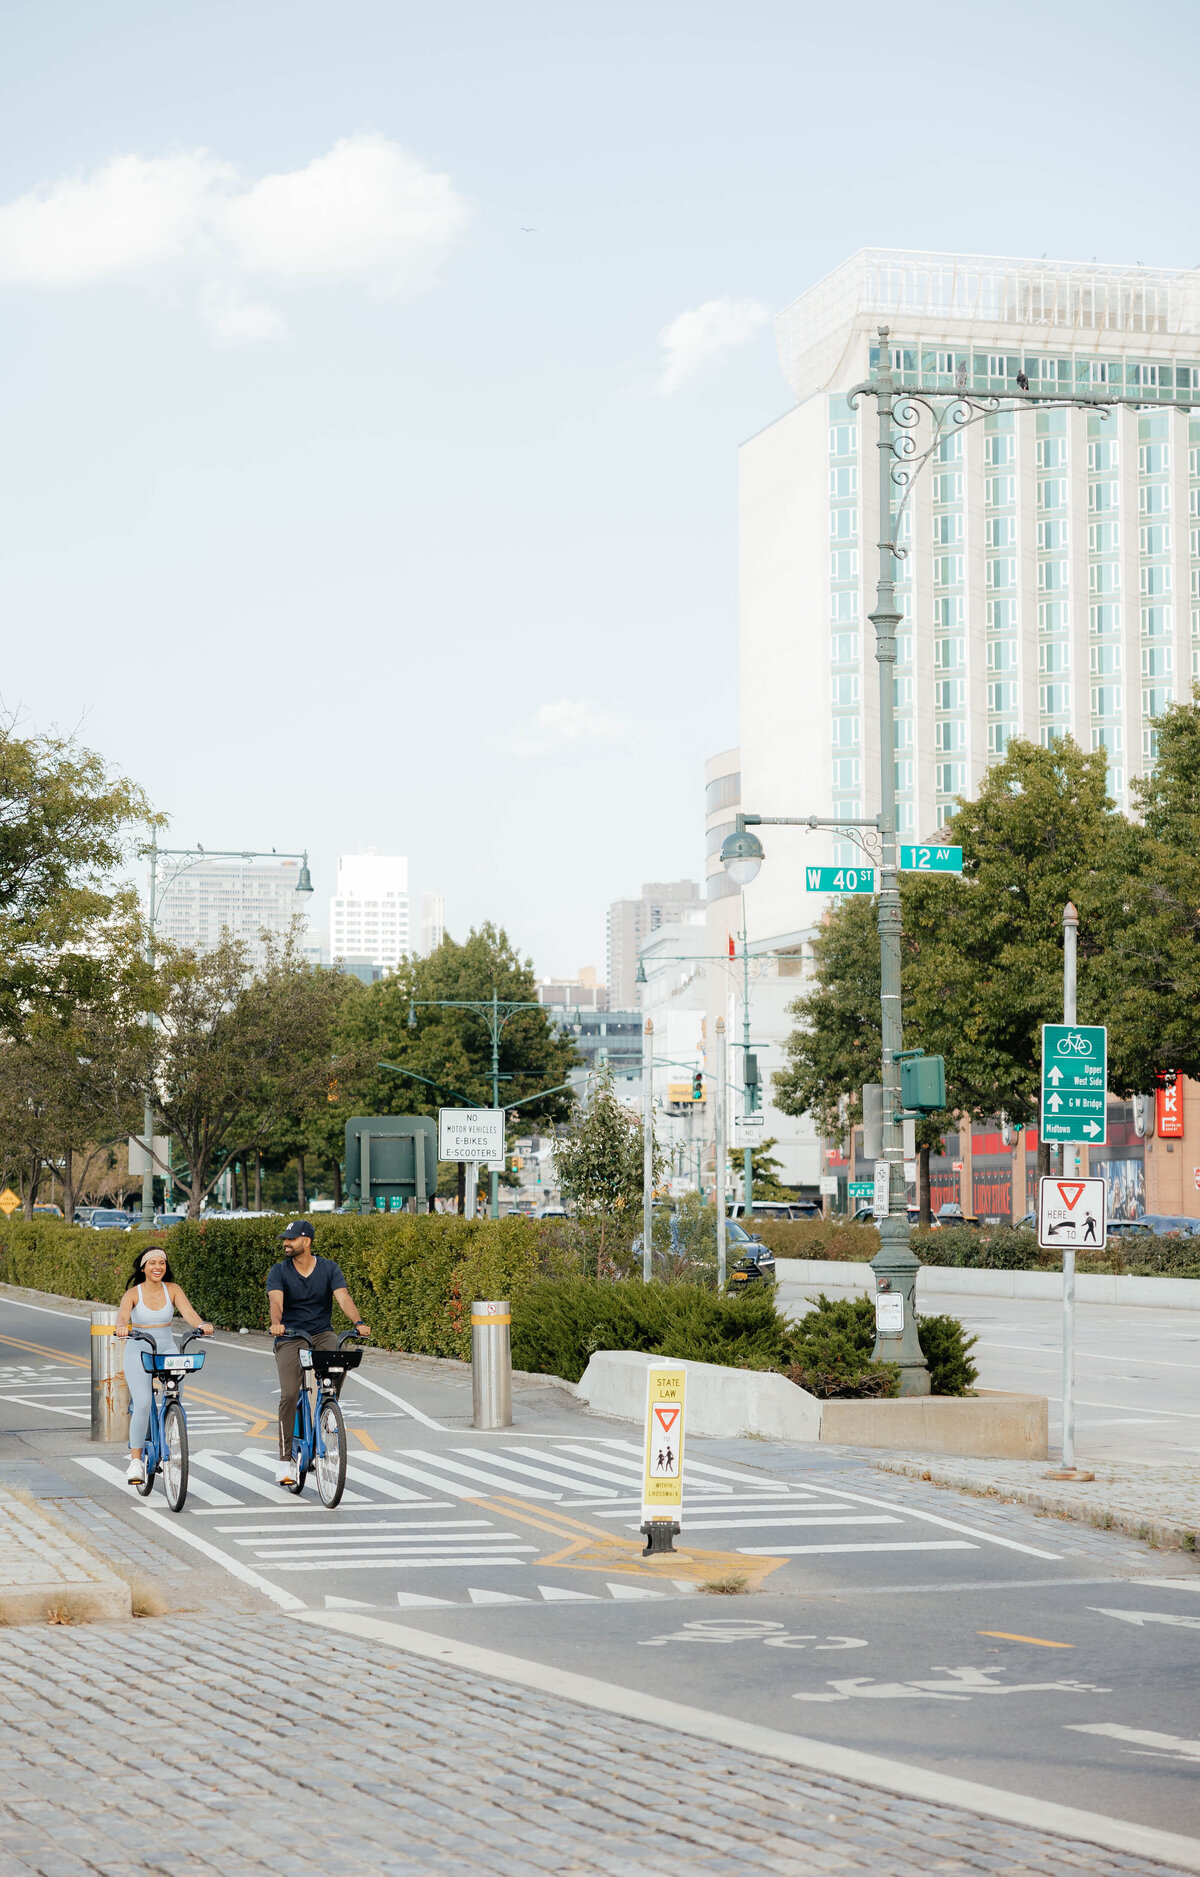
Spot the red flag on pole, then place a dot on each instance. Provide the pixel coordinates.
(732, 947)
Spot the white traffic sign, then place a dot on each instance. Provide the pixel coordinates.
(748, 1129)
(1071, 1214)
(879, 1203)
(827, 1185)
(471, 1134)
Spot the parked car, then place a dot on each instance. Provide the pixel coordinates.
(1129, 1228)
(1162, 1222)
(106, 1219)
(169, 1218)
(82, 1215)
(47, 1212)
(865, 1215)
(952, 1214)
(778, 1209)
(551, 1212)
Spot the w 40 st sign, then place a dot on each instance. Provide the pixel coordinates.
(1074, 1082)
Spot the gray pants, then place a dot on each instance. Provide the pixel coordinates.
(291, 1378)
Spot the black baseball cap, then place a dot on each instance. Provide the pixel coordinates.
(299, 1228)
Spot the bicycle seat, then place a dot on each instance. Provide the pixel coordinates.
(156, 1364)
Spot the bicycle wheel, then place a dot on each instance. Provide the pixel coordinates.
(175, 1463)
(331, 1465)
(145, 1485)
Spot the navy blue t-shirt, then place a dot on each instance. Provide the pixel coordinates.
(307, 1301)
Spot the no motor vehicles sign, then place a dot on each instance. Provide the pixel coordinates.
(1071, 1213)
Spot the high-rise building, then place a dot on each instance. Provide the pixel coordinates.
(433, 921)
(202, 899)
(368, 915)
(630, 921)
(1050, 579)
(582, 992)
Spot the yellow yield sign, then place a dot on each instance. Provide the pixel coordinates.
(9, 1202)
(662, 1471)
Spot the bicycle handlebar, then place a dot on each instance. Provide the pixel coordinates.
(302, 1336)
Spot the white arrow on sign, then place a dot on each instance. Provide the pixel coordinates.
(1091, 1127)
(1054, 1075)
(1054, 1103)
(1148, 1616)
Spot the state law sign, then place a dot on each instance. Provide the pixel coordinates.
(662, 1473)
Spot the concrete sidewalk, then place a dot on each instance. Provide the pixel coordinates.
(46, 1577)
(1157, 1503)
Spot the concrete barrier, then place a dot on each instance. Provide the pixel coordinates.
(799, 1278)
(724, 1403)
(729, 1403)
(986, 1426)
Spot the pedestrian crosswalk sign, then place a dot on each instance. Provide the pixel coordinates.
(662, 1482)
(1071, 1212)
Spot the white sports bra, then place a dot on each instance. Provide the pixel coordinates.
(143, 1317)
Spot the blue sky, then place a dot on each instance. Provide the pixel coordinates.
(342, 511)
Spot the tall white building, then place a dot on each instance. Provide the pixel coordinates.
(199, 900)
(433, 921)
(1051, 579)
(369, 913)
(1052, 575)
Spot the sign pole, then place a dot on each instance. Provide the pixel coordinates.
(719, 1145)
(647, 1150)
(1070, 934)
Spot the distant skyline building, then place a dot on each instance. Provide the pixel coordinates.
(630, 922)
(203, 899)
(582, 992)
(369, 913)
(433, 922)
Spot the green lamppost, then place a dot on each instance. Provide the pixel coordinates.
(902, 409)
(188, 858)
(495, 1014)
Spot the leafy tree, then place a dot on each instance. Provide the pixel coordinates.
(448, 1049)
(240, 1058)
(65, 821)
(600, 1163)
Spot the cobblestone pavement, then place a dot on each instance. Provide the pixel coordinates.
(244, 1746)
(39, 1562)
(1157, 1503)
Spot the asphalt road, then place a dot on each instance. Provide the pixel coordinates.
(953, 1634)
(1137, 1371)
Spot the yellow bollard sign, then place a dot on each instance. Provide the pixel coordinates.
(8, 1202)
(662, 1472)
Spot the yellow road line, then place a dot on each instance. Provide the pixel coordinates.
(1039, 1642)
(194, 1393)
(365, 1439)
(610, 1551)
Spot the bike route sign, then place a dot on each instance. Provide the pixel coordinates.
(1074, 1083)
(1071, 1212)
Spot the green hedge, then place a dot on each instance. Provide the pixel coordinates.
(816, 1238)
(413, 1277)
(566, 1320)
(832, 1348)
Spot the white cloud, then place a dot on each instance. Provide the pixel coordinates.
(704, 332)
(569, 723)
(367, 213)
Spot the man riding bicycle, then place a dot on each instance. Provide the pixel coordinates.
(301, 1292)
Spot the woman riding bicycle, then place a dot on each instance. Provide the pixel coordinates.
(149, 1304)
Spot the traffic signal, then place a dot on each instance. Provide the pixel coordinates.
(698, 1086)
(751, 1082)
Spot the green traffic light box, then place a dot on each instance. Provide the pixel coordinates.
(923, 1084)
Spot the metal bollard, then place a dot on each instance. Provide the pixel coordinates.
(491, 1365)
(110, 1394)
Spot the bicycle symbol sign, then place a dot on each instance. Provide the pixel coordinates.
(1074, 1082)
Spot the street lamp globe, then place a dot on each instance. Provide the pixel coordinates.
(304, 883)
(741, 856)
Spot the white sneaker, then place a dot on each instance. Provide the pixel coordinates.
(286, 1474)
(136, 1471)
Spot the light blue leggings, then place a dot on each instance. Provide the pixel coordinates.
(141, 1388)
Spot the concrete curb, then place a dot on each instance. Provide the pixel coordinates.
(798, 1278)
(1078, 1503)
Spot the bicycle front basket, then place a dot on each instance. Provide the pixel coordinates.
(336, 1361)
(170, 1364)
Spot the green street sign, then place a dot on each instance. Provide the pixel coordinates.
(860, 1189)
(931, 859)
(1074, 1083)
(840, 880)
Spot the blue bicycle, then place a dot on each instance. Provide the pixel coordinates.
(166, 1443)
(319, 1441)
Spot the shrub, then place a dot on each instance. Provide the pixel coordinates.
(945, 1345)
(816, 1238)
(831, 1351)
(566, 1320)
